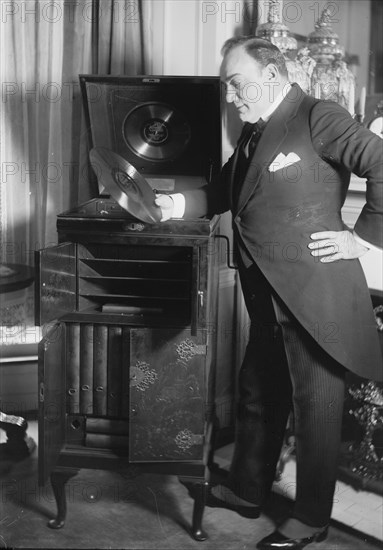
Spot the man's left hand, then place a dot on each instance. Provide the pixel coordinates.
(336, 245)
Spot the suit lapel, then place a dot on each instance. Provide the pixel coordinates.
(269, 144)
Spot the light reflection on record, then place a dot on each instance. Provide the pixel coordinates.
(156, 132)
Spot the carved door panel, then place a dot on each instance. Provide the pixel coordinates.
(55, 282)
(51, 375)
(167, 395)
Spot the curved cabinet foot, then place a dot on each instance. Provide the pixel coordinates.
(59, 479)
(55, 524)
(199, 492)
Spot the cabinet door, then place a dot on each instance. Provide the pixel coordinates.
(167, 395)
(55, 282)
(51, 373)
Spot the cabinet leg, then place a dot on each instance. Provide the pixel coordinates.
(200, 492)
(59, 479)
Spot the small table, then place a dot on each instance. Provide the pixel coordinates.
(14, 277)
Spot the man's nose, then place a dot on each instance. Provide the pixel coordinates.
(231, 96)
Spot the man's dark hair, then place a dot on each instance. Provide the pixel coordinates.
(263, 51)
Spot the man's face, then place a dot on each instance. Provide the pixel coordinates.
(249, 85)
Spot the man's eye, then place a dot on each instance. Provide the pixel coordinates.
(236, 84)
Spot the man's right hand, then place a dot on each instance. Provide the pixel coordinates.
(166, 203)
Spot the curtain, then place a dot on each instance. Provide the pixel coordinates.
(46, 44)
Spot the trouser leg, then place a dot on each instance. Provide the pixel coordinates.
(318, 383)
(290, 363)
(263, 409)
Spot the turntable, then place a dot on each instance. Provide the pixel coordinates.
(147, 135)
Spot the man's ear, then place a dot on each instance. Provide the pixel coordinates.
(271, 72)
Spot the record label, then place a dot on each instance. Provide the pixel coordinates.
(156, 132)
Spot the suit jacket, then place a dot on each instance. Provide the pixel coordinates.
(276, 211)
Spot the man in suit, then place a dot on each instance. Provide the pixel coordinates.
(307, 298)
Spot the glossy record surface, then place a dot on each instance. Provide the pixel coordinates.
(125, 184)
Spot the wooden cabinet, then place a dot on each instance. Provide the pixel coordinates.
(127, 363)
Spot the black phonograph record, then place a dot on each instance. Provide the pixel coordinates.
(127, 186)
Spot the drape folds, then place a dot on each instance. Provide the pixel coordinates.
(46, 44)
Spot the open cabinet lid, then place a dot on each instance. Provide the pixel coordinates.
(166, 127)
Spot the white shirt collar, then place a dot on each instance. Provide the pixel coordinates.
(278, 100)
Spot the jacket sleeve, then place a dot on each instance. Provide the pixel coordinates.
(339, 139)
(212, 198)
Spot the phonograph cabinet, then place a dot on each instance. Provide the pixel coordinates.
(129, 307)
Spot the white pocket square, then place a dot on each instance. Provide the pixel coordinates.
(281, 161)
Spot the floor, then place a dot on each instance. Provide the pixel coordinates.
(359, 510)
(110, 510)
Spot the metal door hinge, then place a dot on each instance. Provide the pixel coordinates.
(41, 392)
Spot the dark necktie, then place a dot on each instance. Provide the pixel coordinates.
(257, 130)
(245, 153)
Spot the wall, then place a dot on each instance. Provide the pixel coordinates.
(372, 261)
(350, 20)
